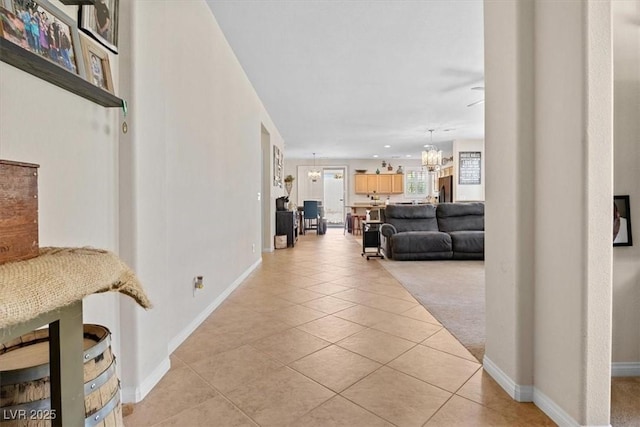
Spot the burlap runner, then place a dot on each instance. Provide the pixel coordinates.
(59, 277)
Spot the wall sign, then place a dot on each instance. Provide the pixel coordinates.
(469, 168)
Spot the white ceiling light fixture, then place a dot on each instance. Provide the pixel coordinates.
(387, 146)
(314, 174)
(432, 157)
(375, 156)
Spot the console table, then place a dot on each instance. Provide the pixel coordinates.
(287, 224)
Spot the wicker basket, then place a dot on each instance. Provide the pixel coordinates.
(281, 242)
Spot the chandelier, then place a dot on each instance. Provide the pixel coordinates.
(314, 174)
(432, 157)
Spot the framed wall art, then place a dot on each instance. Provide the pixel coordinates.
(42, 29)
(96, 63)
(470, 168)
(621, 222)
(277, 167)
(100, 21)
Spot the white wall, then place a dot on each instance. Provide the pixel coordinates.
(626, 259)
(549, 120)
(76, 144)
(194, 163)
(462, 193)
(509, 219)
(175, 196)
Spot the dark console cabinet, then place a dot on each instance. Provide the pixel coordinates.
(286, 223)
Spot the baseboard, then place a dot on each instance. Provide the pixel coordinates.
(531, 394)
(556, 413)
(519, 393)
(553, 411)
(136, 394)
(625, 369)
(188, 330)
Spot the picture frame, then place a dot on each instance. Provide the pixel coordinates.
(8, 5)
(277, 167)
(470, 168)
(57, 39)
(622, 221)
(96, 63)
(100, 22)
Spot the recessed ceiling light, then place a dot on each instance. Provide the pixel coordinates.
(387, 146)
(408, 155)
(375, 155)
(425, 145)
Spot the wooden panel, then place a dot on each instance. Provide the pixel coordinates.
(18, 211)
(385, 184)
(398, 184)
(372, 183)
(360, 183)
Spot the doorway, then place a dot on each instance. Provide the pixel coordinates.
(334, 196)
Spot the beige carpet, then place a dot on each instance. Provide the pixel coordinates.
(452, 291)
(625, 402)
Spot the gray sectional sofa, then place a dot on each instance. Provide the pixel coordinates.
(429, 232)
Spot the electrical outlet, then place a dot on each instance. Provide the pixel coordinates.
(253, 248)
(198, 283)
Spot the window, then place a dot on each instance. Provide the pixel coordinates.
(415, 182)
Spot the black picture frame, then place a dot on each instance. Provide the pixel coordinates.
(470, 168)
(622, 221)
(90, 16)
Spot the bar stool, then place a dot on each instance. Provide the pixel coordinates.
(348, 224)
(357, 224)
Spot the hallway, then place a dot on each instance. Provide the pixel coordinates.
(318, 336)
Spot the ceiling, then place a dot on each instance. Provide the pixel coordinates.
(345, 78)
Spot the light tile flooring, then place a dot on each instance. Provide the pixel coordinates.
(318, 336)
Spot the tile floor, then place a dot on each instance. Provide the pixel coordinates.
(319, 336)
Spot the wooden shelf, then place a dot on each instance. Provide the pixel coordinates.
(36, 65)
(78, 2)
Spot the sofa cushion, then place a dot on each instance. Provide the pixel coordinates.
(412, 217)
(467, 241)
(460, 216)
(419, 242)
(423, 256)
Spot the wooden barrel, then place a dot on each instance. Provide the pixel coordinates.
(24, 380)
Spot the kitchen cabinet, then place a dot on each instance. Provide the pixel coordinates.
(372, 183)
(360, 184)
(385, 184)
(397, 186)
(379, 183)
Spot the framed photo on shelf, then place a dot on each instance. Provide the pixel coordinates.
(96, 64)
(621, 222)
(7, 4)
(100, 21)
(44, 30)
